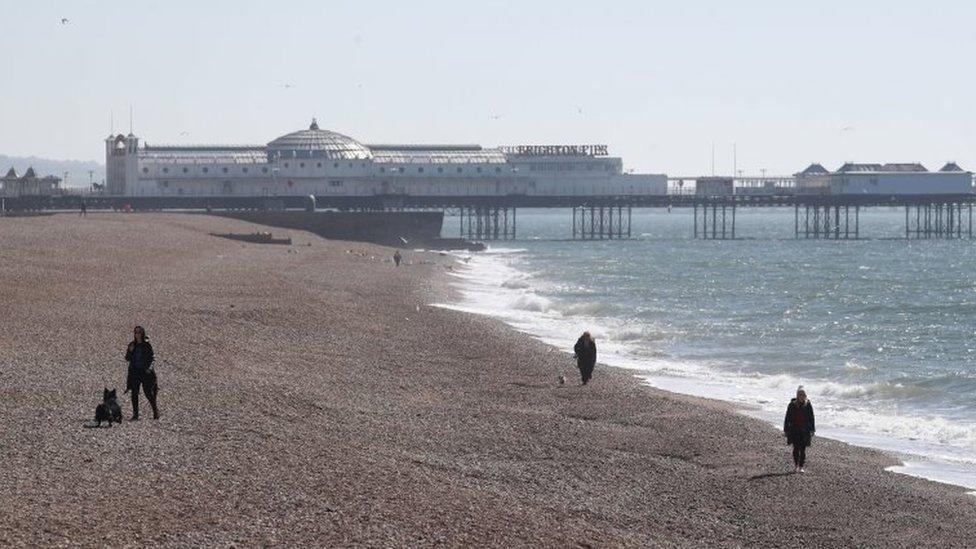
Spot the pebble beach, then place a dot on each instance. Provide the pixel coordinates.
(311, 396)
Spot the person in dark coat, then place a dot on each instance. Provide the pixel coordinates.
(397, 258)
(799, 427)
(139, 355)
(585, 355)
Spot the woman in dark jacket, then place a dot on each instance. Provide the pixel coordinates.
(139, 355)
(799, 427)
(585, 354)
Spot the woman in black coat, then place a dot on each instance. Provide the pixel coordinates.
(799, 427)
(139, 355)
(585, 354)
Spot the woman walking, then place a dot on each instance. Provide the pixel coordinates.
(139, 355)
(799, 427)
(585, 355)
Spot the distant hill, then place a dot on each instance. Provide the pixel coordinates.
(77, 169)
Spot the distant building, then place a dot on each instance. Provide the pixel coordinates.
(29, 184)
(889, 179)
(321, 162)
(714, 186)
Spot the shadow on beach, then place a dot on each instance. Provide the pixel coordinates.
(770, 475)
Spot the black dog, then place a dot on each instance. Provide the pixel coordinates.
(109, 410)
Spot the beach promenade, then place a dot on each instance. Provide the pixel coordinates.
(311, 396)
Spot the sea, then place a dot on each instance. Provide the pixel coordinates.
(880, 331)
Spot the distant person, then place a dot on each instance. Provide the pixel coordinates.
(397, 258)
(84, 210)
(799, 427)
(585, 355)
(139, 355)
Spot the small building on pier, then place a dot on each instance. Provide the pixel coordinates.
(886, 179)
(714, 186)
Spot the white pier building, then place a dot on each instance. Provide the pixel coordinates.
(325, 163)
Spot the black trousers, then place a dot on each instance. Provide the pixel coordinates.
(146, 380)
(800, 440)
(586, 371)
(799, 454)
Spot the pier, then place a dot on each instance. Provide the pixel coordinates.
(487, 218)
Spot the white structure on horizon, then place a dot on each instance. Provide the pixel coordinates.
(13, 185)
(325, 163)
(888, 179)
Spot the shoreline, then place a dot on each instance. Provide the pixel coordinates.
(931, 461)
(311, 396)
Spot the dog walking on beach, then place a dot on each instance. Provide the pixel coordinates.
(799, 427)
(585, 355)
(139, 355)
(109, 410)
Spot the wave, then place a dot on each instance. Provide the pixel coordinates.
(516, 284)
(531, 302)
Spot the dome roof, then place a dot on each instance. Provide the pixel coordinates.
(320, 143)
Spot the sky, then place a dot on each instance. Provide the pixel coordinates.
(664, 84)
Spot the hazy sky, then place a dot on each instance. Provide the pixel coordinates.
(660, 82)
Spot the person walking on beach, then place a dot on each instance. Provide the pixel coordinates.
(585, 355)
(397, 258)
(799, 427)
(139, 355)
(84, 210)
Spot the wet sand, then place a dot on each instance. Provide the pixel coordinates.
(310, 396)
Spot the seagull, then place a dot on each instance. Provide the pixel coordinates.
(579, 110)
(286, 86)
(184, 133)
(404, 240)
(64, 20)
(496, 117)
(847, 128)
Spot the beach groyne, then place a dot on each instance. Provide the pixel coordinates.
(385, 228)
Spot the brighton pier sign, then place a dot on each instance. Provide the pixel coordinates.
(555, 150)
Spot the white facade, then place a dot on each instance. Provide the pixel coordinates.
(886, 179)
(324, 163)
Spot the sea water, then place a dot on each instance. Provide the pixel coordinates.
(880, 331)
